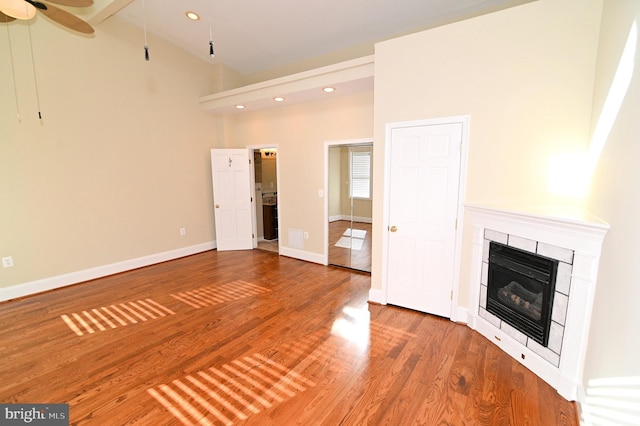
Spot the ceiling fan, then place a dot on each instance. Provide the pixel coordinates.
(26, 9)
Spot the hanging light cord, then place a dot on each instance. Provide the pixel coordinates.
(13, 74)
(144, 28)
(211, 53)
(35, 79)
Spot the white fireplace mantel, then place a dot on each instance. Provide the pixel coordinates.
(562, 230)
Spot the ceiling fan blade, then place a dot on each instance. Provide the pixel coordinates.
(5, 18)
(72, 3)
(37, 4)
(66, 19)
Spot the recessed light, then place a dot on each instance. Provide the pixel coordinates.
(328, 89)
(240, 106)
(192, 15)
(278, 99)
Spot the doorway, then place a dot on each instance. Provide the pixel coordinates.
(265, 177)
(349, 207)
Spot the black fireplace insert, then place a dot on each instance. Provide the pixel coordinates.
(520, 289)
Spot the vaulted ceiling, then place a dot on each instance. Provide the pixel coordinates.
(252, 36)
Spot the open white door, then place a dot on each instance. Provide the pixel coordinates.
(231, 174)
(423, 198)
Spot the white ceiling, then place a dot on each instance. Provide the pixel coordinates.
(252, 36)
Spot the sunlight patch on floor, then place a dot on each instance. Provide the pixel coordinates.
(123, 314)
(215, 294)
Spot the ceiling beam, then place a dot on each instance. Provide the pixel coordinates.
(106, 9)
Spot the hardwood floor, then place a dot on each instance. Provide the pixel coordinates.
(255, 338)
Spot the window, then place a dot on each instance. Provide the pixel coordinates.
(360, 174)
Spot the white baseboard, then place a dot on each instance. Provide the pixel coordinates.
(355, 218)
(581, 400)
(303, 255)
(460, 315)
(376, 295)
(45, 284)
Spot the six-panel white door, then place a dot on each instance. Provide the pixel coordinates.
(232, 199)
(423, 202)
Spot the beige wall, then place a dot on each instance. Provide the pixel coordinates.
(120, 160)
(615, 196)
(300, 133)
(524, 76)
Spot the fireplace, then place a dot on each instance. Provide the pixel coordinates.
(520, 289)
(573, 239)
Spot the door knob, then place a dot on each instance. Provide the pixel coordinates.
(217, 206)
(393, 228)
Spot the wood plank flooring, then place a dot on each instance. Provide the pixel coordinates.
(254, 338)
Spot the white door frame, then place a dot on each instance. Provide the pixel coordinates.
(250, 149)
(325, 194)
(464, 150)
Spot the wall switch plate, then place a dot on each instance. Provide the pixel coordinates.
(7, 262)
(306, 235)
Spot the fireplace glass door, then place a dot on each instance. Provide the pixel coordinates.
(520, 289)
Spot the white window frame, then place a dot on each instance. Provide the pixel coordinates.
(363, 177)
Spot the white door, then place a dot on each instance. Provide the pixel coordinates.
(231, 174)
(423, 203)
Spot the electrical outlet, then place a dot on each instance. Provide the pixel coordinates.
(7, 262)
(183, 232)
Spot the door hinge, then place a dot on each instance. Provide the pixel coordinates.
(456, 224)
(451, 294)
(249, 160)
(253, 236)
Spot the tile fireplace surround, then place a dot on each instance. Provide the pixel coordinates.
(573, 238)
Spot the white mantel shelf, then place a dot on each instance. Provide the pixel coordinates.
(550, 228)
(574, 217)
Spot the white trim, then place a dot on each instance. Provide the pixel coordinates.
(461, 315)
(581, 405)
(376, 296)
(327, 145)
(355, 218)
(51, 283)
(462, 189)
(302, 255)
(462, 185)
